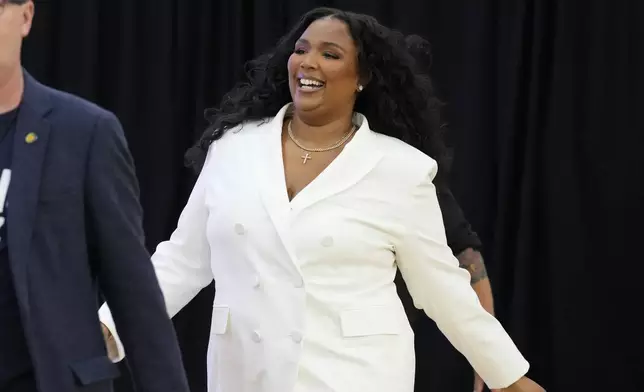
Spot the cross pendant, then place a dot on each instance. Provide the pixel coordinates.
(305, 158)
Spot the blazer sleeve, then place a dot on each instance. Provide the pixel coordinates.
(182, 263)
(441, 288)
(124, 272)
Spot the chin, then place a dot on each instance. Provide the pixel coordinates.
(307, 105)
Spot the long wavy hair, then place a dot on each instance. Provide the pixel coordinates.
(398, 100)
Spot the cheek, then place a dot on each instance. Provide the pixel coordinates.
(343, 79)
(292, 65)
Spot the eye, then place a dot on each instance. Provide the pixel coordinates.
(330, 55)
(299, 51)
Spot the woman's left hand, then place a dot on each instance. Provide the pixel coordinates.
(479, 384)
(524, 385)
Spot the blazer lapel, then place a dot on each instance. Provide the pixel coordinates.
(30, 145)
(269, 168)
(356, 160)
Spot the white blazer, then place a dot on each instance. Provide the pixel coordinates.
(305, 296)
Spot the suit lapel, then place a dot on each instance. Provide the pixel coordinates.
(30, 145)
(357, 159)
(269, 168)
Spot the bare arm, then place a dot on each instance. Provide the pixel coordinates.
(472, 261)
(463, 241)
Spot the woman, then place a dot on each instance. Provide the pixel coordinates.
(303, 211)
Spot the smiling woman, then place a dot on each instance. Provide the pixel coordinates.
(324, 53)
(316, 185)
(368, 68)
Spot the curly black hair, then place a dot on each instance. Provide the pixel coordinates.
(398, 100)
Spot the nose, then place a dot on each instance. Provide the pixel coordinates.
(309, 61)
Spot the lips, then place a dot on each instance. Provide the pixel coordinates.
(309, 84)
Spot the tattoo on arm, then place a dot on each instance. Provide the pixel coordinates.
(472, 261)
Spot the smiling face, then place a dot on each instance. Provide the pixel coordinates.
(323, 69)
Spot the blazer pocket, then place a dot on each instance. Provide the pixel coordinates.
(373, 320)
(220, 316)
(90, 371)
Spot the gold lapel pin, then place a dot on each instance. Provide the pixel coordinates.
(31, 137)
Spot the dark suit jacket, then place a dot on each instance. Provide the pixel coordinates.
(74, 227)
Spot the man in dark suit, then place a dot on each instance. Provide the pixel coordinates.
(70, 226)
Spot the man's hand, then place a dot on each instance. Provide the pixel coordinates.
(110, 343)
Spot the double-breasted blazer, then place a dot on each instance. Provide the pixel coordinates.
(305, 296)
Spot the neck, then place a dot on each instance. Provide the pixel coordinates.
(12, 86)
(316, 133)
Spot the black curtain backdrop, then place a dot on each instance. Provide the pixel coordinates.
(544, 103)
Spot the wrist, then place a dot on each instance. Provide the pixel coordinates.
(524, 384)
(106, 332)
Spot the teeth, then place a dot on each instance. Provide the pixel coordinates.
(310, 83)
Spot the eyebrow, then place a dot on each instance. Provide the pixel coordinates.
(324, 43)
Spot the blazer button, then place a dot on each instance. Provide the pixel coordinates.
(256, 337)
(327, 242)
(299, 283)
(257, 282)
(239, 229)
(296, 336)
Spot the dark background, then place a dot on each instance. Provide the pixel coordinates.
(545, 102)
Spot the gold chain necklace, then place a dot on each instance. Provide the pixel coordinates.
(307, 151)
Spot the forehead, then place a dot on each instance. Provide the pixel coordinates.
(9, 7)
(328, 30)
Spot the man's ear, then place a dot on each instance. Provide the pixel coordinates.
(28, 10)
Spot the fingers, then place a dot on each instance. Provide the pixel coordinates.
(110, 343)
(478, 383)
